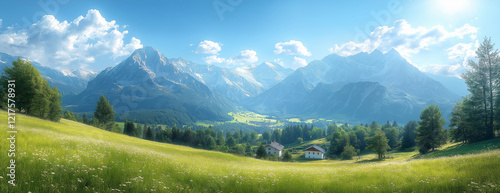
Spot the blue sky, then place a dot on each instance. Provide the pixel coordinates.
(434, 35)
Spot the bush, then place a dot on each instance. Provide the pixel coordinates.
(349, 152)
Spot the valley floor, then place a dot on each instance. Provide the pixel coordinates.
(73, 157)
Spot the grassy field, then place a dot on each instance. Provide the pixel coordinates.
(72, 157)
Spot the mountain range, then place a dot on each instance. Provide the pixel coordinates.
(362, 87)
(235, 84)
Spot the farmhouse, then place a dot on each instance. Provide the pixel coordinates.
(274, 149)
(314, 152)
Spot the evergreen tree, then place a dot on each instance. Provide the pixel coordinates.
(84, 119)
(482, 80)
(409, 135)
(149, 134)
(430, 132)
(378, 144)
(261, 152)
(104, 113)
(129, 128)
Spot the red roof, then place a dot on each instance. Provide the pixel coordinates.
(315, 148)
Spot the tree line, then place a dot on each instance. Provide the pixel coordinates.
(33, 95)
(477, 116)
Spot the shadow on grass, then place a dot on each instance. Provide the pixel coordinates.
(463, 149)
(375, 160)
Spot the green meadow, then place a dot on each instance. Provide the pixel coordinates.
(73, 157)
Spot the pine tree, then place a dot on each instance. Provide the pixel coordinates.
(129, 128)
(430, 132)
(261, 152)
(409, 135)
(483, 79)
(104, 113)
(149, 134)
(84, 119)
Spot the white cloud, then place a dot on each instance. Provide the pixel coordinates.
(298, 62)
(444, 69)
(404, 38)
(208, 47)
(66, 44)
(213, 59)
(459, 56)
(244, 57)
(1, 23)
(293, 47)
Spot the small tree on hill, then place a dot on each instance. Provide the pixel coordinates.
(430, 132)
(104, 113)
(261, 151)
(129, 128)
(378, 143)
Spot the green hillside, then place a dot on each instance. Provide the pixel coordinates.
(72, 157)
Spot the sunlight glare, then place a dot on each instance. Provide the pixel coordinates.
(452, 6)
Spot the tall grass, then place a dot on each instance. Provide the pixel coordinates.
(73, 157)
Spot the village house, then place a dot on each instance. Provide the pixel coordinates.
(274, 149)
(314, 152)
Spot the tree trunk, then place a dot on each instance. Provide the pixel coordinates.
(485, 102)
(490, 132)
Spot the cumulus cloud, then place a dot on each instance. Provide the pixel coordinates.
(404, 38)
(293, 47)
(244, 57)
(74, 44)
(213, 59)
(459, 56)
(208, 47)
(0, 22)
(298, 62)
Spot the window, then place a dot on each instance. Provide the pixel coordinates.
(309, 152)
(269, 149)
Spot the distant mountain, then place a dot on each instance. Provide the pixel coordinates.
(235, 84)
(333, 86)
(67, 84)
(454, 84)
(267, 74)
(147, 80)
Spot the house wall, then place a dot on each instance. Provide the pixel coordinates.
(313, 155)
(270, 150)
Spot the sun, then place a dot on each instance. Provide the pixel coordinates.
(452, 6)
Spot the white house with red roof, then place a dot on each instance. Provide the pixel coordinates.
(314, 152)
